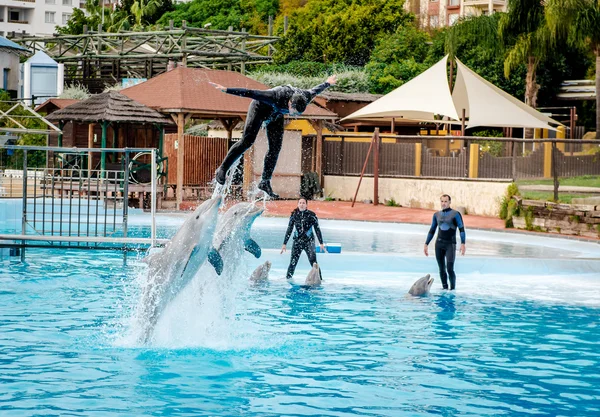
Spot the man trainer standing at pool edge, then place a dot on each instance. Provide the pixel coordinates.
(446, 221)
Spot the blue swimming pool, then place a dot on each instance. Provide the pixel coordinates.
(520, 336)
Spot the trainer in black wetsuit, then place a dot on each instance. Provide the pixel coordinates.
(268, 108)
(446, 221)
(303, 220)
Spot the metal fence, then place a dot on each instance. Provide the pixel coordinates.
(68, 205)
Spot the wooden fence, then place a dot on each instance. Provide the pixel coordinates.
(202, 157)
(346, 157)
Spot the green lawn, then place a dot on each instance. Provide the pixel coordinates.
(542, 195)
(584, 181)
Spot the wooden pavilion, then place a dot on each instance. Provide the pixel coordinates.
(109, 120)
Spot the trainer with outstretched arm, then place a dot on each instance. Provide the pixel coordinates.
(267, 107)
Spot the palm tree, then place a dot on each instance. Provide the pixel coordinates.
(521, 33)
(523, 26)
(578, 22)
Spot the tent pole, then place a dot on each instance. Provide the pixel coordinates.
(362, 173)
(462, 123)
(376, 168)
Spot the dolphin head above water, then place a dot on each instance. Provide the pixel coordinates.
(261, 273)
(234, 227)
(421, 286)
(313, 279)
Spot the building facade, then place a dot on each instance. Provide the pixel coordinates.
(35, 17)
(439, 13)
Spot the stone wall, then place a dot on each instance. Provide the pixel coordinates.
(567, 219)
(477, 197)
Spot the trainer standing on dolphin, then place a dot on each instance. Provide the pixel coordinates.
(446, 221)
(304, 221)
(267, 107)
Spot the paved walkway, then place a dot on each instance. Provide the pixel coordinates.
(342, 210)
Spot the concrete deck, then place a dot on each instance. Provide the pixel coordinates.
(343, 210)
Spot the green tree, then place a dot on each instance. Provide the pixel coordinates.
(219, 13)
(523, 27)
(397, 59)
(338, 30)
(578, 22)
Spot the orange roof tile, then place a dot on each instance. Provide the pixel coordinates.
(188, 90)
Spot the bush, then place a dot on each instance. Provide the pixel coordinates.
(351, 81)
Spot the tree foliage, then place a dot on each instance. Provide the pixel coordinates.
(221, 14)
(397, 59)
(338, 30)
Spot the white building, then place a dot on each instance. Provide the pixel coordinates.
(35, 17)
(439, 13)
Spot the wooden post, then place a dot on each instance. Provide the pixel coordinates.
(393, 126)
(554, 172)
(418, 159)
(362, 173)
(474, 161)
(462, 122)
(547, 160)
(180, 149)
(184, 43)
(319, 152)
(248, 169)
(90, 145)
(103, 146)
(376, 167)
(243, 65)
(61, 126)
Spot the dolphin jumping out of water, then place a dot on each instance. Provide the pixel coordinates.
(421, 286)
(234, 229)
(313, 279)
(171, 269)
(261, 273)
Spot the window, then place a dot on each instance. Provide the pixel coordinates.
(50, 1)
(66, 17)
(49, 17)
(14, 15)
(453, 2)
(434, 21)
(452, 18)
(67, 2)
(5, 78)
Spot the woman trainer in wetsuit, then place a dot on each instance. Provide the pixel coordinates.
(303, 220)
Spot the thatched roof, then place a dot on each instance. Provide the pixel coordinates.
(111, 106)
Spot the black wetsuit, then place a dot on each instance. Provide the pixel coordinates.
(304, 239)
(267, 107)
(446, 221)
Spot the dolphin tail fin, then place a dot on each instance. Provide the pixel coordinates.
(252, 247)
(215, 260)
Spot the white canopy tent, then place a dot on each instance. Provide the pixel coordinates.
(428, 95)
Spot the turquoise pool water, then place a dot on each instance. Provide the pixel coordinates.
(520, 336)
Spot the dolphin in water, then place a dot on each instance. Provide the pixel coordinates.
(234, 229)
(313, 279)
(421, 286)
(171, 269)
(261, 273)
